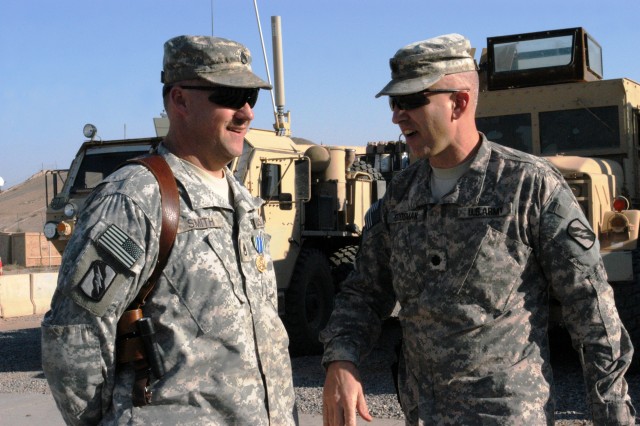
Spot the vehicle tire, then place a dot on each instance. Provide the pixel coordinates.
(363, 166)
(627, 297)
(342, 262)
(308, 302)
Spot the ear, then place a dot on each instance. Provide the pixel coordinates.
(178, 100)
(461, 102)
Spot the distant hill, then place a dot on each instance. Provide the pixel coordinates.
(23, 206)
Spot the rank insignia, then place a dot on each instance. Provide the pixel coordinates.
(97, 280)
(437, 260)
(581, 234)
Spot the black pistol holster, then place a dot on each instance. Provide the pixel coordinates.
(136, 340)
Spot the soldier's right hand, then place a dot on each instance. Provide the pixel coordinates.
(343, 395)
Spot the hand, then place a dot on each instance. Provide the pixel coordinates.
(343, 395)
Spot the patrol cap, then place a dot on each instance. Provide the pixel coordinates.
(217, 60)
(419, 65)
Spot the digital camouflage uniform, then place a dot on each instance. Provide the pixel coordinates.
(473, 273)
(214, 310)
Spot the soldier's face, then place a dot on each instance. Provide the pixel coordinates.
(219, 131)
(428, 129)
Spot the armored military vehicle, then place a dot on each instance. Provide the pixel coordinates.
(544, 93)
(316, 197)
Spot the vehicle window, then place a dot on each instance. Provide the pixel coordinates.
(513, 130)
(96, 167)
(594, 56)
(532, 54)
(579, 129)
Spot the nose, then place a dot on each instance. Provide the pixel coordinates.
(246, 112)
(397, 115)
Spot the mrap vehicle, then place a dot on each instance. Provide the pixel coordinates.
(315, 200)
(544, 93)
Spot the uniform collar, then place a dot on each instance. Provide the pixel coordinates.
(466, 192)
(198, 193)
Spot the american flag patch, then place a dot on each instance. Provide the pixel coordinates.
(120, 246)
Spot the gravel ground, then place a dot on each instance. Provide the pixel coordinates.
(21, 372)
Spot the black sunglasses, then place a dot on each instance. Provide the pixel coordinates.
(416, 100)
(228, 97)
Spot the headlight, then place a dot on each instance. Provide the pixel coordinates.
(64, 229)
(50, 230)
(619, 223)
(69, 210)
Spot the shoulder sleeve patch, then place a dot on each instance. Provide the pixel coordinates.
(120, 246)
(581, 233)
(97, 279)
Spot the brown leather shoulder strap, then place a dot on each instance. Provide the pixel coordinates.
(170, 202)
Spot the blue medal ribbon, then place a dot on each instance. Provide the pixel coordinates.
(258, 242)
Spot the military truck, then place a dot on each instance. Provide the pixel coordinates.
(544, 93)
(316, 197)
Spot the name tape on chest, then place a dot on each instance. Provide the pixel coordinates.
(406, 216)
(192, 224)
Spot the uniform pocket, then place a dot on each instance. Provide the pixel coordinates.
(407, 259)
(494, 273)
(203, 273)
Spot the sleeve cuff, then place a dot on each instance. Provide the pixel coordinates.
(340, 351)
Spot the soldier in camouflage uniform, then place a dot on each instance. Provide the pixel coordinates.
(470, 240)
(214, 307)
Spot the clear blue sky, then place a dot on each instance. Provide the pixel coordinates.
(65, 63)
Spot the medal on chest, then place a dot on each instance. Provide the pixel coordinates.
(258, 243)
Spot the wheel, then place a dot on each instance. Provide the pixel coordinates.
(342, 263)
(308, 302)
(363, 166)
(627, 297)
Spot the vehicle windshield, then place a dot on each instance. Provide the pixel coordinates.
(97, 165)
(532, 54)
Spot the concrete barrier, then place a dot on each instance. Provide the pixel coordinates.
(26, 294)
(15, 295)
(43, 286)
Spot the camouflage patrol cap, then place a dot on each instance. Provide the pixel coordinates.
(214, 59)
(419, 65)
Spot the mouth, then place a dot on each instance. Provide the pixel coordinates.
(409, 133)
(237, 127)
